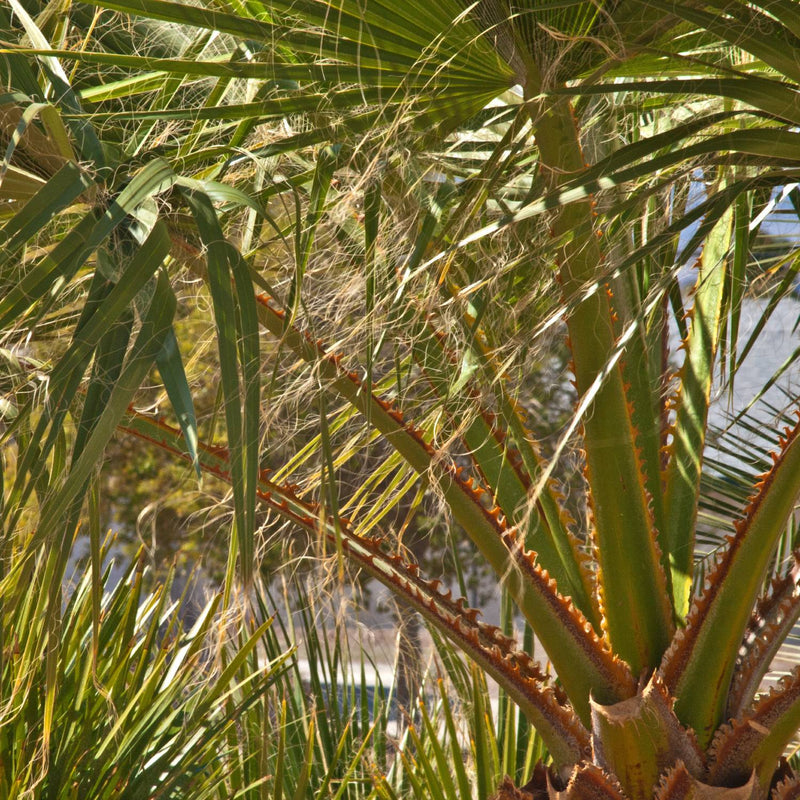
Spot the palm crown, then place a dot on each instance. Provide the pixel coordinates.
(657, 682)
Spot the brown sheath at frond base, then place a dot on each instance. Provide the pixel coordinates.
(534, 789)
(507, 791)
(589, 782)
(788, 789)
(678, 784)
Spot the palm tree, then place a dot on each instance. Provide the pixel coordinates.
(452, 212)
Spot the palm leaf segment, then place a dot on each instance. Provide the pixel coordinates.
(622, 666)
